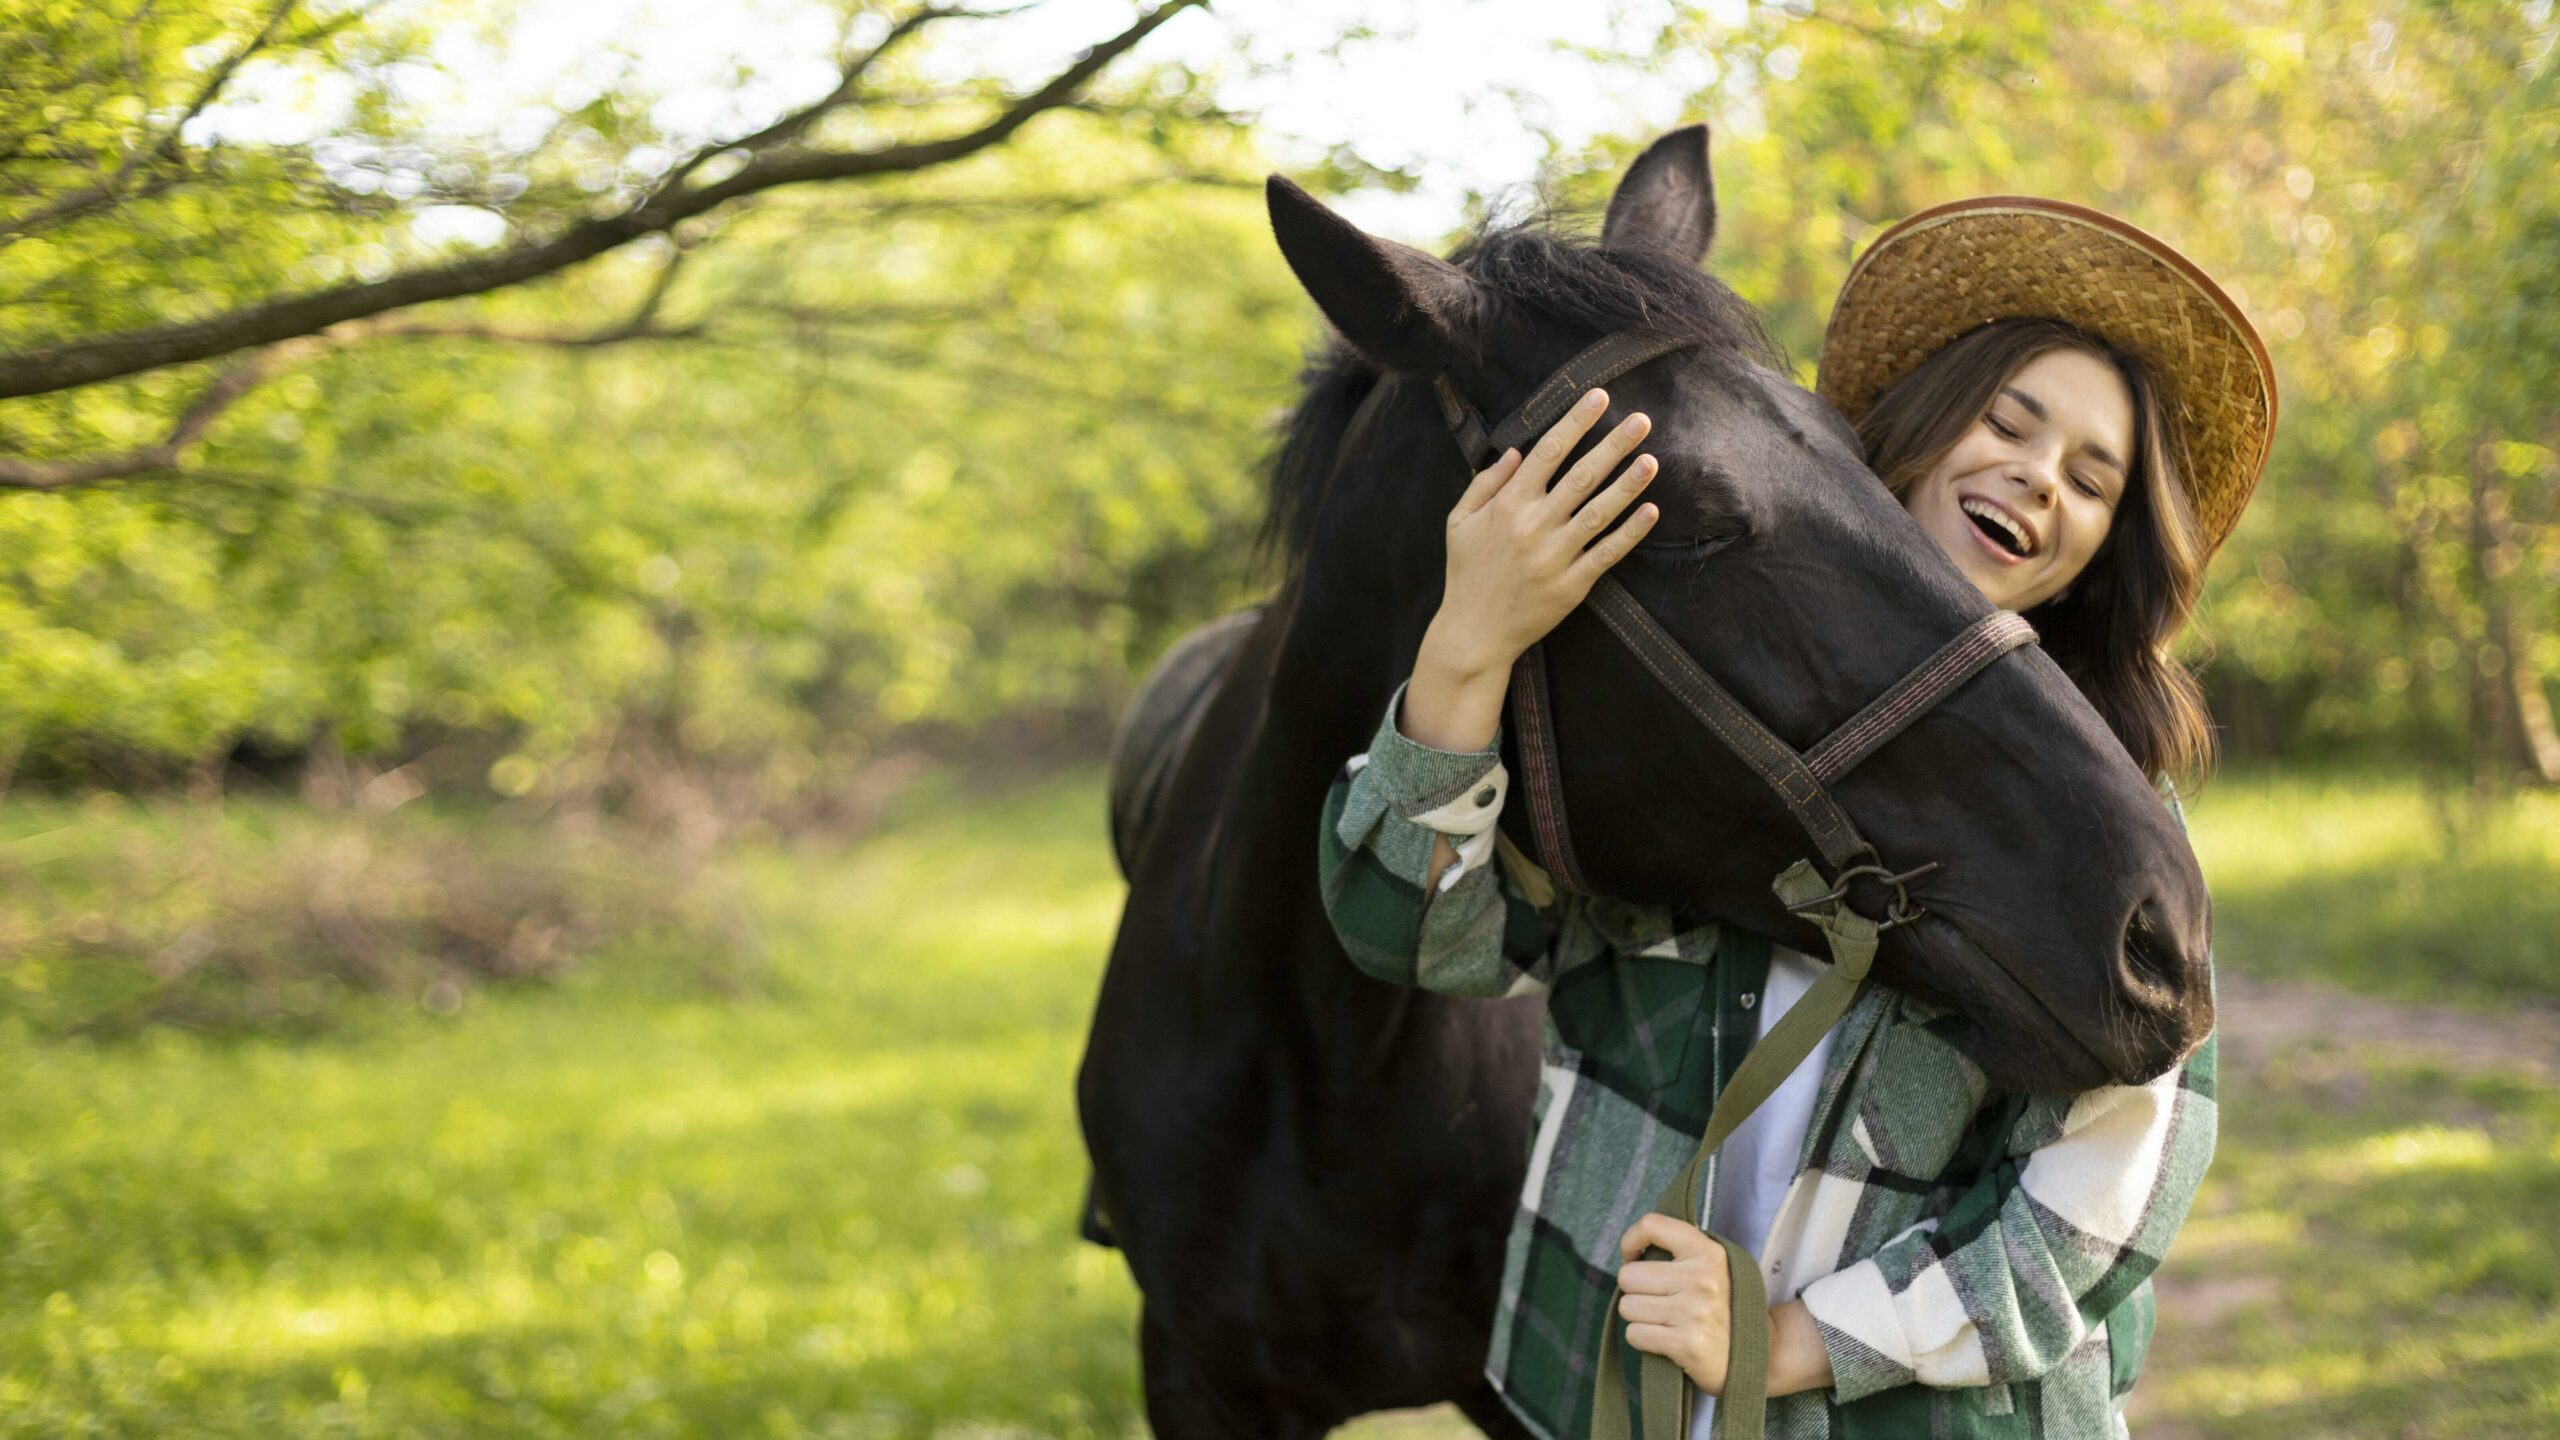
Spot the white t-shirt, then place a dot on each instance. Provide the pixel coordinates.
(1758, 1160)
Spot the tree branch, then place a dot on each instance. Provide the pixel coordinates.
(23, 474)
(794, 125)
(18, 473)
(45, 369)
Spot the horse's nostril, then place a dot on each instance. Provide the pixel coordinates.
(2151, 955)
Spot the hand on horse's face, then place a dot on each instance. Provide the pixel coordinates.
(1682, 1307)
(1522, 555)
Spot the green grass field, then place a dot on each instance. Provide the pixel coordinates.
(842, 1203)
(2384, 886)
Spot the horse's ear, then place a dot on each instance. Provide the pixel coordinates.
(1401, 307)
(1668, 200)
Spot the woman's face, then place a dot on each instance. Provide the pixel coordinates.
(2023, 500)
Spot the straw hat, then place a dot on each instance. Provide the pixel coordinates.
(1954, 267)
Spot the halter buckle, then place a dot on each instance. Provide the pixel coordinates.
(1901, 911)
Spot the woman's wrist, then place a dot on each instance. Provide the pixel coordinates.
(1797, 1361)
(1454, 700)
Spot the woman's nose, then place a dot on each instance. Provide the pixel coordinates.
(2041, 477)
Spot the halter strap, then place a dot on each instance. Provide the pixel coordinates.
(1803, 781)
(1598, 363)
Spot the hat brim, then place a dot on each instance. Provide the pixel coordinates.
(1950, 269)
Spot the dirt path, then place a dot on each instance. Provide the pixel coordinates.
(2261, 1018)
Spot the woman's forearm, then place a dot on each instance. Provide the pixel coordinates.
(1797, 1360)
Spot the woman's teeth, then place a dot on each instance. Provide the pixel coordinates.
(2003, 529)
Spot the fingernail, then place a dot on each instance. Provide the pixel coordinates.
(1594, 399)
(1511, 456)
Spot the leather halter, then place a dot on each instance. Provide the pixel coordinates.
(1801, 779)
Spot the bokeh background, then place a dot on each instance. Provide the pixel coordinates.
(565, 569)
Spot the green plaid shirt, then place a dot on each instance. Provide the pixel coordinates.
(1977, 1262)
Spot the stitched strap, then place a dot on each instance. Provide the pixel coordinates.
(1727, 720)
(1599, 363)
(1533, 722)
(1937, 677)
(1665, 1390)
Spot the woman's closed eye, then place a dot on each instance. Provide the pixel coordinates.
(2087, 486)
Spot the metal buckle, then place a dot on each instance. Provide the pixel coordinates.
(1902, 911)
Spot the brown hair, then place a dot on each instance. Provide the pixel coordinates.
(2110, 629)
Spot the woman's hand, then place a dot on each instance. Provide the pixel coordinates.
(1521, 556)
(1681, 1307)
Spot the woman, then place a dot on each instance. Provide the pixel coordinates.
(2077, 422)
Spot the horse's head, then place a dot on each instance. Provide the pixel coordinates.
(2067, 918)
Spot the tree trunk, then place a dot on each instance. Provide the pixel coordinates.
(2512, 728)
(2535, 732)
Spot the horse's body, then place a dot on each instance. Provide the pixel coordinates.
(1240, 1095)
(1311, 1173)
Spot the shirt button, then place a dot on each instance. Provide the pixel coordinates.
(1485, 796)
(1747, 997)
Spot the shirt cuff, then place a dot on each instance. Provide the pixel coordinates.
(1456, 792)
(1853, 1310)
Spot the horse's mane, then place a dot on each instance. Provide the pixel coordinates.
(1540, 268)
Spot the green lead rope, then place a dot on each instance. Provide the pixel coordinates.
(1666, 1388)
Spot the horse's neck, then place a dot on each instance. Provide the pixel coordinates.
(1338, 651)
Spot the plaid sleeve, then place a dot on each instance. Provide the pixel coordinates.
(2078, 1209)
(1476, 932)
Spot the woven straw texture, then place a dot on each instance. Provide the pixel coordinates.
(1947, 270)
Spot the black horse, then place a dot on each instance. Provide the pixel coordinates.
(1310, 1172)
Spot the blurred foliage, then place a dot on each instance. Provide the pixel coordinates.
(2420, 892)
(260, 916)
(836, 1205)
(956, 453)
(843, 1205)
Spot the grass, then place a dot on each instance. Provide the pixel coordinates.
(841, 1206)
(2384, 886)
(842, 1203)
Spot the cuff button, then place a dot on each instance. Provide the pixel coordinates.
(1485, 796)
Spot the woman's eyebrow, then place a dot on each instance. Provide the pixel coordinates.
(2035, 407)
